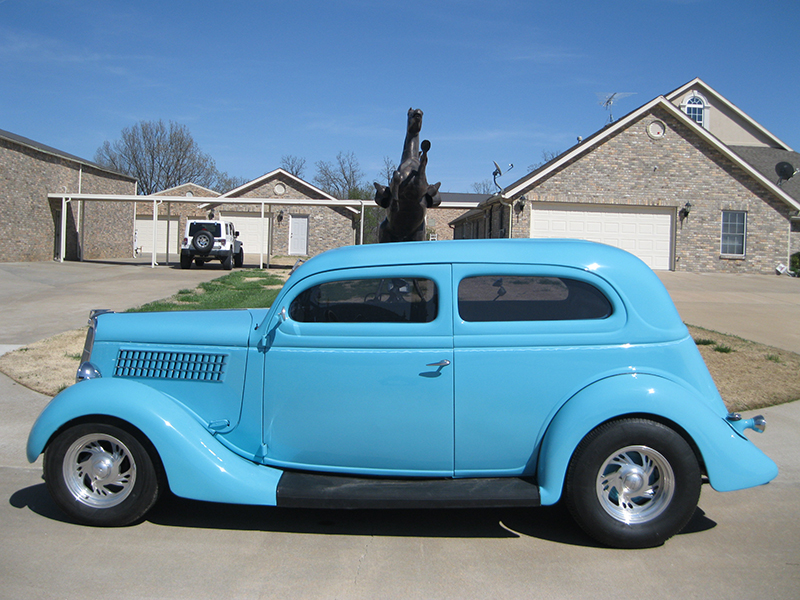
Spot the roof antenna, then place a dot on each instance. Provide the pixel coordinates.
(607, 100)
(498, 172)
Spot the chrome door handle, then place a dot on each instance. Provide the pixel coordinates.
(441, 363)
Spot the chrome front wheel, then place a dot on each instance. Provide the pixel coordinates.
(99, 470)
(100, 474)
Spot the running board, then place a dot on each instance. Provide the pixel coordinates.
(312, 490)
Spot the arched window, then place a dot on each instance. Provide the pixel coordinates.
(696, 107)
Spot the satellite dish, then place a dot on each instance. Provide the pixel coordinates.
(785, 171)
(498, 172)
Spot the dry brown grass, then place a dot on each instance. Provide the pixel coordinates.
(749, 376)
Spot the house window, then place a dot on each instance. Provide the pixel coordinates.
(734, 229)
(696, 108)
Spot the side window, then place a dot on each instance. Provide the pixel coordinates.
(734, 229)
(529, 298)
(391, 300)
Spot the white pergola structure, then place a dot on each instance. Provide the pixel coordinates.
(265, 203)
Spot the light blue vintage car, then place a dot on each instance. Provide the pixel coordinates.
(441, 374)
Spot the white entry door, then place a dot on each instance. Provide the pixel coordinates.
(298, 235)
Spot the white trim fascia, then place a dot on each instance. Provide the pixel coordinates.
(662, 101)
(162, 199)
(732, 107)
(581, 148)
(189, 198)
(271, 174)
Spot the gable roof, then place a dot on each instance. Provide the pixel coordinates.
(197, 191)
(720, 99)
(588, 144)
(271, 175)
(45, 149)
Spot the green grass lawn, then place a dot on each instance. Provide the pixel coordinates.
(239, 289)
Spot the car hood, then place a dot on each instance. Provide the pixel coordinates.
(198, 328)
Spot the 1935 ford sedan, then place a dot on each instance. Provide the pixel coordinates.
(443, 374)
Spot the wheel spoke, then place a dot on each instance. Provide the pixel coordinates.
(99, 470)
(631, 484)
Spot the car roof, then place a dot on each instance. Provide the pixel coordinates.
(574, 253)
(633, 280)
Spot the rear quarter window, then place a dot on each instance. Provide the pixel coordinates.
(529, 298)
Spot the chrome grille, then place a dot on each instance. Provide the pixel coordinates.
(193, 366)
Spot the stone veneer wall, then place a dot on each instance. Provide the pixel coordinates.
(30, 224)
(633, 169)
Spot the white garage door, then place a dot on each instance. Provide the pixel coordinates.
(646, 234)
(249, 227)
(144, 234)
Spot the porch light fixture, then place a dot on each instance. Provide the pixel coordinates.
(684, 212)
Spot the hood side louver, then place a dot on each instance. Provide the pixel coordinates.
(192, 366)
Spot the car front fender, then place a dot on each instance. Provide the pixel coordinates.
(197, 466)
(731, 461)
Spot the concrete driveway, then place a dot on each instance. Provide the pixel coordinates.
(740, 545)
(759, 308)
(40, 299)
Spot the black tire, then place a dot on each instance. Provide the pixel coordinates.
(186, 261)
(203, 242)
(227, 261)
(633, 483)
(238, 259)
(101, 475)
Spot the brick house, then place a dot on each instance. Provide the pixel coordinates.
(30, 223)
(290, 227)
(686, 182)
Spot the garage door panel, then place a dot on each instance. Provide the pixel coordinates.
(144, 234)
(249, 226)
(646, 234)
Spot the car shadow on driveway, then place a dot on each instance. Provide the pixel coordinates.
(550, 523)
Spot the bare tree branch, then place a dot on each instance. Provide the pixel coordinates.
(161, 156)
(343, 179)
(294, 165)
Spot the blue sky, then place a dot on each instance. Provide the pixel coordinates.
(498, 80)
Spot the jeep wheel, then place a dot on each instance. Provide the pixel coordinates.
(238, 259)
(203, 242)
(186, 261)
(633, 483)
(101, 475)
(227, 261)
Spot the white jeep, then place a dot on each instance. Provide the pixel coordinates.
(209, 240)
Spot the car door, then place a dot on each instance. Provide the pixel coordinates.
(526, 338)
(358, 375)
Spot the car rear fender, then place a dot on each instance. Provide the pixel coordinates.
(197, 466)
(730, 460)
